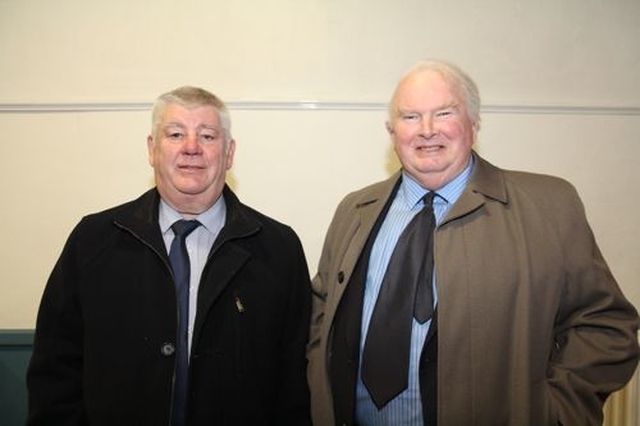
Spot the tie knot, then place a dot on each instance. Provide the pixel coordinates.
(428, 198)
(182, 228)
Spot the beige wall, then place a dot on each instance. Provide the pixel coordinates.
(559, 81)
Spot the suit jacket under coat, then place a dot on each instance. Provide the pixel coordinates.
(532, 328)
(106, 327)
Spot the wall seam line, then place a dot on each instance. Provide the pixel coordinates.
(62, 107)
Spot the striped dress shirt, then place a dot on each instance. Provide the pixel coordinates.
(406, 408)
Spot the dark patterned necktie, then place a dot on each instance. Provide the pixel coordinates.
(179, 258)
(406, 292)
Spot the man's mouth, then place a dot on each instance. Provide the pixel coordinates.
(429, 148)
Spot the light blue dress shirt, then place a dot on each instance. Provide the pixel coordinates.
(406, 408)
(199, 244)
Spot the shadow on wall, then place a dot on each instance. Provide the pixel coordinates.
(15, 353)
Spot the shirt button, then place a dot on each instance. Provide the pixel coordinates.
(340, 277)
(167, 349)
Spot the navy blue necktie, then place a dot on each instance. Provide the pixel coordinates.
(406, 293)
(179, 258)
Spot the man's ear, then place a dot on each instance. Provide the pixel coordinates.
(150, 149)
(231, 150)
(389, 127)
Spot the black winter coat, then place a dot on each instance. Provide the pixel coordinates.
(107, 325)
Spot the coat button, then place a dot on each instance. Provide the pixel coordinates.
(167, 349)
(340, 277)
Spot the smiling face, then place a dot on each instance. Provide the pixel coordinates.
(190, 154)
(431, 129)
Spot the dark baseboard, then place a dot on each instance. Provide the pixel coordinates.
(15, 353)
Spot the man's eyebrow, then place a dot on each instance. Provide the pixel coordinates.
(208, 127)
(182, 126)
(448, 105)
(173, 124)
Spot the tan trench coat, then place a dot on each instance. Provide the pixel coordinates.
(533, 329)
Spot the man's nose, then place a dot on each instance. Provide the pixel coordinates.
(191, 143)
(427, 128)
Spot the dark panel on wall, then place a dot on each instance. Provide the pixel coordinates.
(15, 352)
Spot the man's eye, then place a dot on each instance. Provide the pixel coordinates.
(445, 113)
(207, 137)
(410, 117)
(175, 135)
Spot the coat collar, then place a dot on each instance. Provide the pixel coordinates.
(369, 206)
(371, 202)
(487, 181)
(140, 217)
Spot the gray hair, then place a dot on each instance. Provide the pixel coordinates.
(458, 80)
(191, 97)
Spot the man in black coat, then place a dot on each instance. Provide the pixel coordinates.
(108, 329)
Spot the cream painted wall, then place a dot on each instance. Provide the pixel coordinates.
(558, 79)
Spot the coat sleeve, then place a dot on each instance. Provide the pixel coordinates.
(294, 402)
(595, 341)
(54, 375)
(317, 348)
(321, 409)
(318, 299)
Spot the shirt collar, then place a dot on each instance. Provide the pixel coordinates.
(412, 192)
(211, 219)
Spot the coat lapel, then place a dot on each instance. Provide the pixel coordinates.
(367, 211)
(363, 222)
(226, 258)
(486, 181)
(140, 218)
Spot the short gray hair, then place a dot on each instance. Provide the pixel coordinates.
(191, 97)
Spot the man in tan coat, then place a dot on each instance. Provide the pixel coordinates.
(530, 327)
